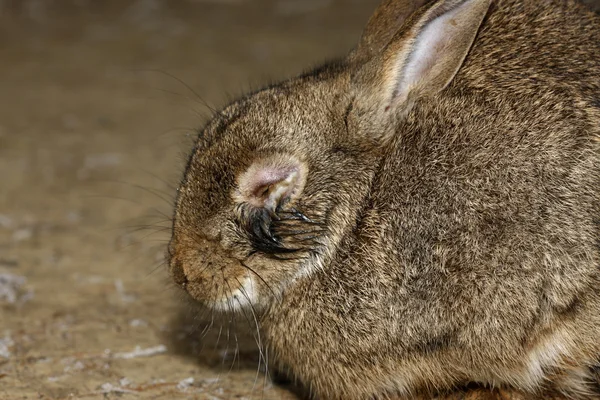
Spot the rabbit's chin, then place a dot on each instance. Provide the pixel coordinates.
(241, 298)
(235, 295)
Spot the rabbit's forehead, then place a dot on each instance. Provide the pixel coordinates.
(293, 104)
(270, 118)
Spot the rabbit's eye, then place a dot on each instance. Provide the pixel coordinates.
(276, 233)
(258, 226)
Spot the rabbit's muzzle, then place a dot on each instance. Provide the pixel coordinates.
(209, 273)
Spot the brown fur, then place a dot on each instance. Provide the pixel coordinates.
(453, 241)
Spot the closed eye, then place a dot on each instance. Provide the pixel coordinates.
(280, 232)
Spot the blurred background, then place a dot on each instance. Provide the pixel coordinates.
(99, 104)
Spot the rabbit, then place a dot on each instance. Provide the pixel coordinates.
(419, 215)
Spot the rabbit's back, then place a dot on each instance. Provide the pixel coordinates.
(526, 48)
(489, 201)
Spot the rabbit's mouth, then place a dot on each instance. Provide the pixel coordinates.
(211, 276)
(227, 295)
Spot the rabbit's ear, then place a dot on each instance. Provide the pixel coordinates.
(383, 24)
(421, 59)
(271, 181)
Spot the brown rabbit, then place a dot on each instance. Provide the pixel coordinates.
(418, 216)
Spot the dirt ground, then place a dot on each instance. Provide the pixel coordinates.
(96, 117)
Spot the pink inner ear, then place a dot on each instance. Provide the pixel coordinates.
(271, 181)
(267, 177)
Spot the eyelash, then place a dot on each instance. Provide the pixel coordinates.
(272, 233)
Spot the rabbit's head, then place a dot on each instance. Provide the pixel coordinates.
(277, 178)
(273, 181)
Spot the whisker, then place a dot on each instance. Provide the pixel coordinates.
(256, 340)
(167, 198)
(226, 352)
(261, 278)
(237, 347)
(188, 130)
(200, 98)
(155, 268)
(207, 328)
(259, 341)
(112, 197)
(165, 182)
(142, 228)
(194, 111)
(229, 306)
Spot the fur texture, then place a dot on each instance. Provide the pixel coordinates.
(453, 241)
